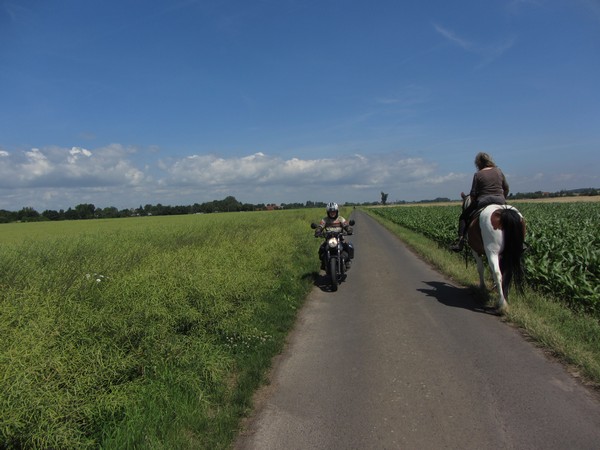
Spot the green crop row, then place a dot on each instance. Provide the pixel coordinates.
(563, 255)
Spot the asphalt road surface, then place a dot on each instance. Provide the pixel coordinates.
(400, 358)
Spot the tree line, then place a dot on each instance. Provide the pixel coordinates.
(86, 211)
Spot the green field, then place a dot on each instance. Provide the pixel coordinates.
(149, 332)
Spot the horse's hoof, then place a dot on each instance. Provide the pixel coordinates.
(502, 310)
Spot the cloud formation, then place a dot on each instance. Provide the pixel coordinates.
(262, 170)
(76, 167)
(58, 178)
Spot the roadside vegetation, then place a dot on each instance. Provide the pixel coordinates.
(560, 307)
(149, 332)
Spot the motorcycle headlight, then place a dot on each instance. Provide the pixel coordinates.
(332, 242)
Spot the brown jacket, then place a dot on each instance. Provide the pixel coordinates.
(489, 186)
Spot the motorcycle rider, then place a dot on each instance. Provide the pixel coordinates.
(333, 222)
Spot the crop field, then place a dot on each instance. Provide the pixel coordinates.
(563, 258)
(148, 332)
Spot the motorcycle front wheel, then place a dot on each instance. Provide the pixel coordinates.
(333, 273)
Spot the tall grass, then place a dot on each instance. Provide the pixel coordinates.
(145, 333)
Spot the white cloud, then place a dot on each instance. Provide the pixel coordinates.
(488, 53)
(205, 171)
(35, 166)
(55, 178)
(59, 178)
(75, 152)
(58, 167)
(448, 178)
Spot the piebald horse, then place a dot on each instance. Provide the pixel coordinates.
(498, 231)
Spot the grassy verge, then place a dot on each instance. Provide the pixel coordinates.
(573, 338)
(145, 333)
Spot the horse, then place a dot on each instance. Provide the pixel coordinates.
(498, 231)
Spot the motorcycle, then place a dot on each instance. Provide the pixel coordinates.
(334, 255)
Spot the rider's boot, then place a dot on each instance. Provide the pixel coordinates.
(458, 245)
(346, 259)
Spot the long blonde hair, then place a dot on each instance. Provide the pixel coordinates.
(483, 160)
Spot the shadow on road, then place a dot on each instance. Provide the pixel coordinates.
(455, 297)
(322, 281)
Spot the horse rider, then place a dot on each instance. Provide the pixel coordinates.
(489, 187)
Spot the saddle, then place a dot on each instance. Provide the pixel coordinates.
(474, 238)
(475, 215)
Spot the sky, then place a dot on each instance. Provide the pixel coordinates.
(127, 103)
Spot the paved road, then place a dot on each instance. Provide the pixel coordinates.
(400, 358)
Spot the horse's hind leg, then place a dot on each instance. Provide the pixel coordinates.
(494, 262)
(480, 269)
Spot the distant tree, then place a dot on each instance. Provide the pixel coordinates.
(71, 214)
(181, 209)
(85, 211)
(7, 216)
(50, 214)
(28, 214)
(292, 205)
(110, 212)
(230, 204)
(384, 197)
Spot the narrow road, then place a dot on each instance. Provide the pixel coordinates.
(400, 358)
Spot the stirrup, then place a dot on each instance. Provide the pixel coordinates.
(458, 245)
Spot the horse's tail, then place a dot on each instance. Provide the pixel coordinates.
(512, 255)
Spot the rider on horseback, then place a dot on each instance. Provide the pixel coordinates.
(489, 187)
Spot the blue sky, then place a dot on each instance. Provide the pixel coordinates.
(124, 103)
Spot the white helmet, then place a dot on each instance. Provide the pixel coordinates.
(332, 206)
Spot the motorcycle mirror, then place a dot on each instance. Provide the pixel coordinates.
(352, 222)
(313, 225)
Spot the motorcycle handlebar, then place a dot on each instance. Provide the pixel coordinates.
(327, 234)
(323, 233)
